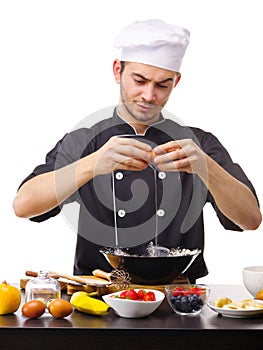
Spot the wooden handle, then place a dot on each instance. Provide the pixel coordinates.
(70, 277)
(35, 274)
(31, 273)
(102, 274)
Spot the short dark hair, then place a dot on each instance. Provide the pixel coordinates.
(122, 67)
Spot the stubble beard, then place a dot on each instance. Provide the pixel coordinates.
(146, 118)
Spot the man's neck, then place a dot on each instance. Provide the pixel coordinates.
(139, 127)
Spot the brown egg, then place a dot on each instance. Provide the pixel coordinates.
(33, 308)
(59, 308)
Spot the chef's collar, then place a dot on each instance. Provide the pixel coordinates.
(127, 127)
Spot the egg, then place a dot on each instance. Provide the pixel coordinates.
(33, 308)
(59, 308)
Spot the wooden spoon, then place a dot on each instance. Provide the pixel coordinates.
(88, 280)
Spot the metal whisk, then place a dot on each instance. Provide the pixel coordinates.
(119, 278)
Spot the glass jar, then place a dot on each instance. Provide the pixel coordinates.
(42, 287)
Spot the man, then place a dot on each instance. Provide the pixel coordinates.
(138, 176)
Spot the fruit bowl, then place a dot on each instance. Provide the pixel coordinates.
(187, 299)
(133, 308)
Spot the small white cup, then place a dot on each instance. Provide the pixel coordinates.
(253, 279)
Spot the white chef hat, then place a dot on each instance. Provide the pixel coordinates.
(153, 42)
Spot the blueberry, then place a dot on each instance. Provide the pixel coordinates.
(177, 305)
(190, 298)
(187, 303)
(200, 302)
(194, 303)
(173, 299)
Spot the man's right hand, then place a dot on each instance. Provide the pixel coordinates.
(120, 153)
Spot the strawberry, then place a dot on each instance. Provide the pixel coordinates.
(197, 290)
(141, 294)
(149, 296)
(123, 294)
(178, 291)
(131, 294)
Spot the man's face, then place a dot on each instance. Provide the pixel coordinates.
(144, 91)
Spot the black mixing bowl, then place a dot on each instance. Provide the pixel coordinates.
(146, 269)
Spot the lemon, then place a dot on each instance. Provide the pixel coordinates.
(220, 302)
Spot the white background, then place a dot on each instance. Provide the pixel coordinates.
(56, 68)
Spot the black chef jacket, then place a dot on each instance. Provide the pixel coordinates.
(132, 208)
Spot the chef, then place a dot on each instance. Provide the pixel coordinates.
(139, 175)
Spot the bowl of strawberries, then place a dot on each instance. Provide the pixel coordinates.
(134, 303)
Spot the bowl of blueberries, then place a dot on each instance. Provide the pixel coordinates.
(187, 299)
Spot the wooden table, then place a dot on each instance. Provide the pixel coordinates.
(161, 330)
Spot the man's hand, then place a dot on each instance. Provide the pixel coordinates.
(181, 155)
(123, 154)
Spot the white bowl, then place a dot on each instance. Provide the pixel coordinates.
(133, 308)
(253, 279)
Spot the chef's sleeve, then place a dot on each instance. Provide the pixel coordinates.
(69, 149)
(212, 146)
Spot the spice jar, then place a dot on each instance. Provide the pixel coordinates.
(42, 287)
